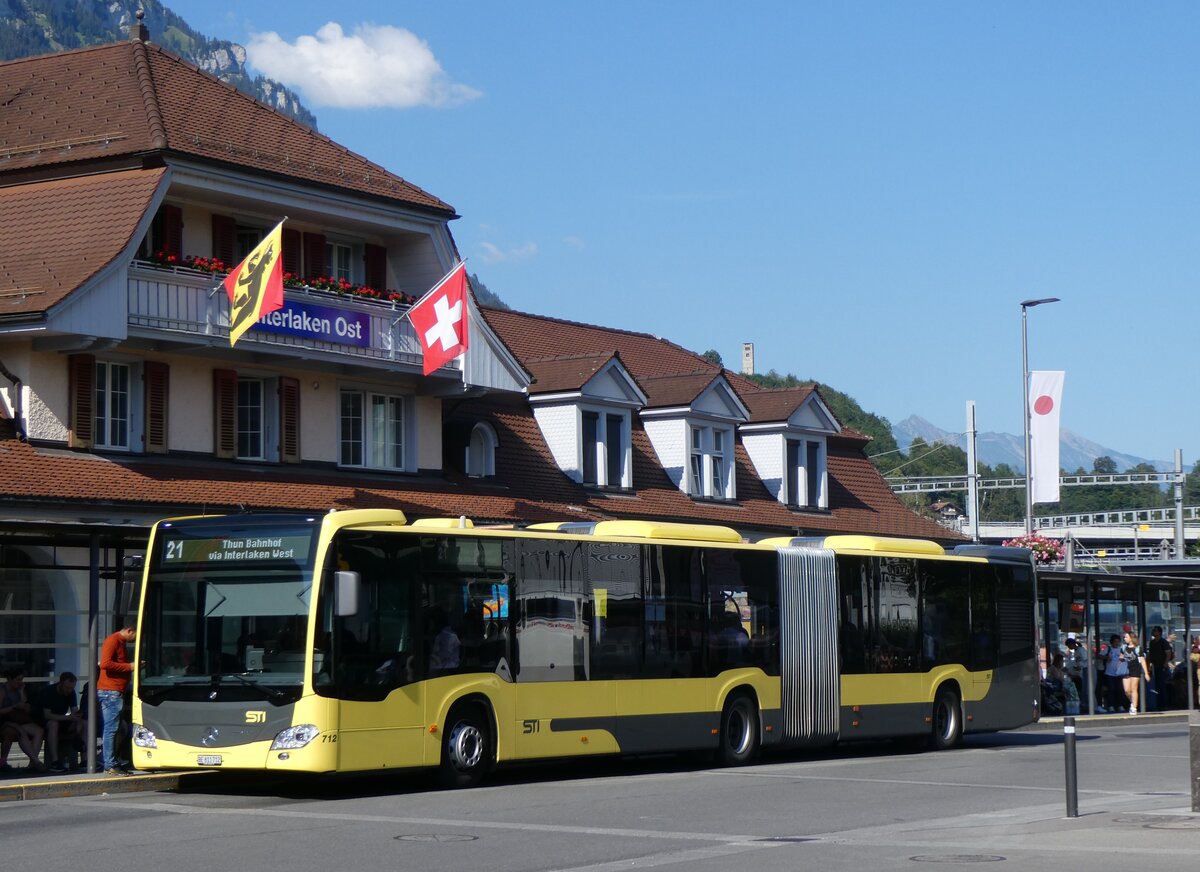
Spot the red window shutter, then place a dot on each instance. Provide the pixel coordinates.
(314, 255)
(81, 387)
(172, 229)
(224, 240)
(292, 252)
(157, 379)
(375, 266)
(289, 420)
(225, 413)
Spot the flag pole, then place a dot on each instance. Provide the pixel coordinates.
(440, 282)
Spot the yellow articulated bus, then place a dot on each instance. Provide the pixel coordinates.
(358, 641)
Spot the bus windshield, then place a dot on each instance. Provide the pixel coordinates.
(227, 606)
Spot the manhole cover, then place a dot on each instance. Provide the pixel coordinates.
(957, 858)
(435, 837)
(789, 839)
(1174, 824)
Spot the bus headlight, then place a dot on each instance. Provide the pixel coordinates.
(295, 737)
(144, 738)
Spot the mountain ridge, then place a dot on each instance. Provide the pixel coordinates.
(993, 448)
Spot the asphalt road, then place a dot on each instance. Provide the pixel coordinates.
(999, 801)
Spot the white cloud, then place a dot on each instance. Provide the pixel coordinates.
(375, 66)
(495, 254)
(574, 242)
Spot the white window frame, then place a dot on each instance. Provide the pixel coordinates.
(106, 373)
(710, 461)
(373, 447)
(245, 433)
(480, 459)
(333, 249)
(599, 449)
(806, 479)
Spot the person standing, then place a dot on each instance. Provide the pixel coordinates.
(116, 672)
(1115, 670)
(1161, 657)
(1135, 671)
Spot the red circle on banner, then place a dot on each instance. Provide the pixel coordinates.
(1043, 404)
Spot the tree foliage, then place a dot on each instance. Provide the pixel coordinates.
(484, 295)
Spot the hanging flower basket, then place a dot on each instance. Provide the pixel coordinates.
(338, 286)
(1044, 550)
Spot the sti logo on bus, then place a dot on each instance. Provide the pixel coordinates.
(256, 717)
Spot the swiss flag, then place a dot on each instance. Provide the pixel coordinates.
(440, 319)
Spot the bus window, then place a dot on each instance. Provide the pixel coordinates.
(945, 614)
(614, 572)
(983, 619)
(551, 622)
(674, 605)
(743, 610)
(897, 628)
(852, 609)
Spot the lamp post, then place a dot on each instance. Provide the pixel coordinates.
(1028, 304)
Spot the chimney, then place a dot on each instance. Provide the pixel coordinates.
(747, 358)
(139, 32)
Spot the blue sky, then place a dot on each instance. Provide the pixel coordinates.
(864, 190)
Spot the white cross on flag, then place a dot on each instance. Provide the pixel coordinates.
(1045, 400)
(440, 319)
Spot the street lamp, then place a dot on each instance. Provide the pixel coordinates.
(1028, 304)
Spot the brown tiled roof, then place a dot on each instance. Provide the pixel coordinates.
(860, 500)
(568, 373)
(537, 337)
(130, 99)
(56, 235)
(679, 389)
(44, 478)
(776, 404)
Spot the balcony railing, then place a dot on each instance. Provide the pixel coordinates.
(190, 303)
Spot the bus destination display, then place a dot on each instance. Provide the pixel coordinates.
(251, 548)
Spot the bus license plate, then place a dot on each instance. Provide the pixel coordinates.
(208, 760)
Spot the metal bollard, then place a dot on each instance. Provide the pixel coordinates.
(1069, 753)
(1194, 755)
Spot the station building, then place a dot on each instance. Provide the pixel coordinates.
(131, 182)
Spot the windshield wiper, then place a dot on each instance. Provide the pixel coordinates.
(268, 692)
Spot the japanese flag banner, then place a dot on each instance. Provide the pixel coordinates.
(1045, 401)
(440, 319)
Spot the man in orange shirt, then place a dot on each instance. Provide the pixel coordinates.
(116, 671)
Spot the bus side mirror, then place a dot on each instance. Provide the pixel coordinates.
(131, 566)
(346, 589)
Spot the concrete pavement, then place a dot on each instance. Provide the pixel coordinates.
(21, 784)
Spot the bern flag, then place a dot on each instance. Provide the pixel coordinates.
(440, 319)
(1045, 400)
(255, 287)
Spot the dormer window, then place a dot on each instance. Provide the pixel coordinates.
(806, 473)
(711, 462)
(481, 452)
(604, 444)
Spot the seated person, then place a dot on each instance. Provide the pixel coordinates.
(57, 709)
(16, 722)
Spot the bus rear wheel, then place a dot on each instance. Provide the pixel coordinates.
(466, 748)
(947, 720)
(739, 731)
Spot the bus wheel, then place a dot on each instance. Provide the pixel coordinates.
(739, 732)
(947, 720)
(466, 748)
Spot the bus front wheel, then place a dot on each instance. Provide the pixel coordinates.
(466, 748)
(947, 720)
(739, 732)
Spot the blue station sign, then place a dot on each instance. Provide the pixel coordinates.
(324, 323)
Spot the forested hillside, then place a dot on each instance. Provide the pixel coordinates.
(34, 27)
